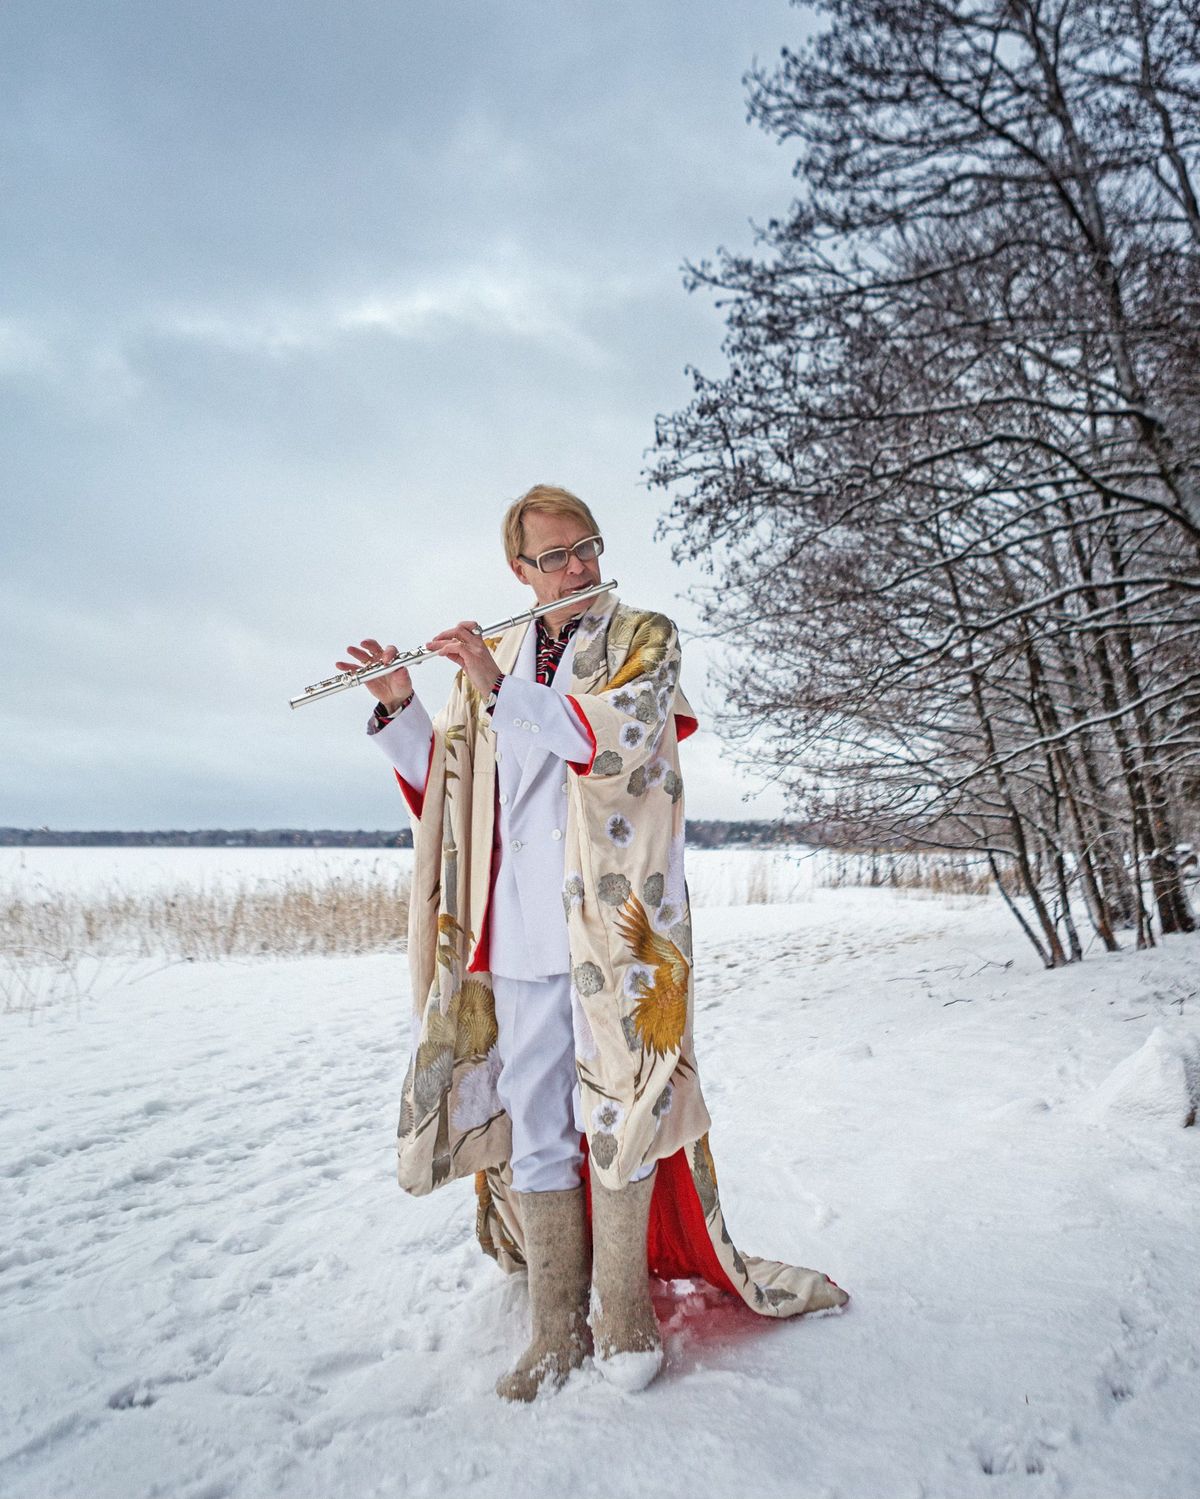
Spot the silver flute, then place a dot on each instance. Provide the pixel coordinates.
(345, 679)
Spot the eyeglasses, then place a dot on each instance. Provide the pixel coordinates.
(556, 559)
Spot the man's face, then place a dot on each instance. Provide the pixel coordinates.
(542, 534)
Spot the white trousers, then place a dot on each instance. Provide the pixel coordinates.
(538, 1084)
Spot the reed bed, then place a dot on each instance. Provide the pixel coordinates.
(780, 876)
(349, 912)
(45, 931)
(940, 874)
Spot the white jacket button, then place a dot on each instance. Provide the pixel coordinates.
(563, 788)
(556, 834)
(534, 728)
(517, 724)
(504, 798)
(516, 845)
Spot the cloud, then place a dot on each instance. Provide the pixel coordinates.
(290, 313)
(503, 298)
(94, 374)
(23, 352)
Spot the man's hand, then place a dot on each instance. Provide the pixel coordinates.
(391, 688)
(463, 644)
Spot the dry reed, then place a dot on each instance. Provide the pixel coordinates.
(364, 910)
(941, 874)
(341, 913)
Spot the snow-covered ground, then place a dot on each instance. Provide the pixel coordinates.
(211, 1286)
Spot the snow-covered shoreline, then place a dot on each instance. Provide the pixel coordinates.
(216, 1289)
(726, 876)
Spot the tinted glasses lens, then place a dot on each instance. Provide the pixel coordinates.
(586, 550)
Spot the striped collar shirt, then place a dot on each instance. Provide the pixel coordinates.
(550, 650)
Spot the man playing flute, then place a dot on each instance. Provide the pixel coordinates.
(550, 949)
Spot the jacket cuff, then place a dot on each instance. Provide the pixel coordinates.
(405, 740)
(543, 716)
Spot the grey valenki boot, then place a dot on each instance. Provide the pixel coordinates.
(629, 1350)
(558, 1254)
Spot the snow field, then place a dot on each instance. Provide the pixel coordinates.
(214, 1288)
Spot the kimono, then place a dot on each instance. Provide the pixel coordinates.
(629, 936)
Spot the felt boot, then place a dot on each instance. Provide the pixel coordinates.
(558, 1254)
(629, 1349)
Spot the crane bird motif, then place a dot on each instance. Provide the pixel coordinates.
(652, 635)
(660, 1013)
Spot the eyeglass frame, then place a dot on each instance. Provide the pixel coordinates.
(568, 552)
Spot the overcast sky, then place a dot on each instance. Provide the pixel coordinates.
(295, 298)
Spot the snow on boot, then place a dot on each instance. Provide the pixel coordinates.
(558, 1255)
(629, 1350)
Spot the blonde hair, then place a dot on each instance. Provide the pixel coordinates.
(542, 499)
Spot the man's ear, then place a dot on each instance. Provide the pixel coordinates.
(520, 570)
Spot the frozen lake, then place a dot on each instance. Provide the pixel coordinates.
(733, 876)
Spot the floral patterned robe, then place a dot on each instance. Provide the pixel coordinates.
(629, 932)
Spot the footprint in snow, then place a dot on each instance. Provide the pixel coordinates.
(1024, 1447)
(1139, 1356)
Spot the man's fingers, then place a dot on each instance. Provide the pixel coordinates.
(464, 631)
(371, 650)
(367, 655)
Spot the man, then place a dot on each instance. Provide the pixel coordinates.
(550, 947)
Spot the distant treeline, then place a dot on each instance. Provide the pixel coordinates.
(699, 835)
(206, 838)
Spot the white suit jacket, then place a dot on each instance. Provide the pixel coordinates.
(537, 732)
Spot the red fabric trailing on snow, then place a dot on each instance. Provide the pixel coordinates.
(677, 1243)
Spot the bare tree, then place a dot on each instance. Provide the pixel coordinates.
(950, 484)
